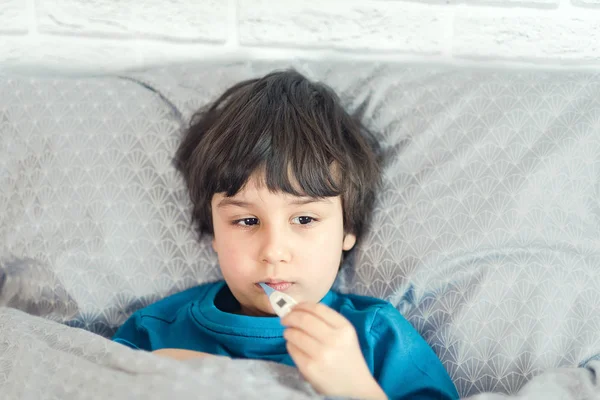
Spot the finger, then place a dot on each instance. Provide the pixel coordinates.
(309, 323)
(326, 314)
(300, 357)
(305, 342)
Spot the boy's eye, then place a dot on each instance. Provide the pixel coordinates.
(303, 220)
(247, 221)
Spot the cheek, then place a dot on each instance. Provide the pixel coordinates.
(326, 247)
(233, 254)
(234, 265)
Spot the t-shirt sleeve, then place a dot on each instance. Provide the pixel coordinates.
(133, 334)
(404, 365)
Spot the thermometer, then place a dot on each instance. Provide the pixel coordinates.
(281, 302)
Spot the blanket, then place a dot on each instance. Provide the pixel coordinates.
(42, 359)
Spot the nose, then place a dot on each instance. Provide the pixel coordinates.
(275, 246)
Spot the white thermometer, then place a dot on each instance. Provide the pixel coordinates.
(281, 302)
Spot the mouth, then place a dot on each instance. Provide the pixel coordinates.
(280, 286)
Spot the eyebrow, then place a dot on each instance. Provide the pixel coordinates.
(238, 203)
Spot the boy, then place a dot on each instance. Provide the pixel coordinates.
(284, 179)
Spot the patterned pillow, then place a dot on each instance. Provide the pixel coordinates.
(486, 233)
(88, 190)
(31, 286)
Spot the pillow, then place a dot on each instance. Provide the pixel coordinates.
(486, 233)
(90, 204)
(31, 286)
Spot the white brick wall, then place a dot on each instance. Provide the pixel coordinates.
(108, 35)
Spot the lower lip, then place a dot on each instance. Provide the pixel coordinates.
(280, 287)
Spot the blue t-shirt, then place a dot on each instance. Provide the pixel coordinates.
(203, 319)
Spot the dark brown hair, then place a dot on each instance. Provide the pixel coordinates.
(293, 129)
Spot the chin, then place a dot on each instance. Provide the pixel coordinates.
(257, 311)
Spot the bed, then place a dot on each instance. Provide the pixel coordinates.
(486, 233)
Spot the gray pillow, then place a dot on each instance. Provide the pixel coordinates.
(87, 190)
(486, 231)
(31, 286)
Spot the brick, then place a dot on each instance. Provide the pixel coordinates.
(13, 16)
(155, 53)
(403, 26)
(479, 34)
(183, 20)
(586, 3)
(511, 3)
(67, 54)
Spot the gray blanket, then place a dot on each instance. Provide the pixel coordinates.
(42, 359)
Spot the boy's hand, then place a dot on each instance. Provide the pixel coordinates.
(325, 348)
(180, 354)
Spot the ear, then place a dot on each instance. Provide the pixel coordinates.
(214, 245)
(349, 241)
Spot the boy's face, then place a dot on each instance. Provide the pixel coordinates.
(292, 243)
